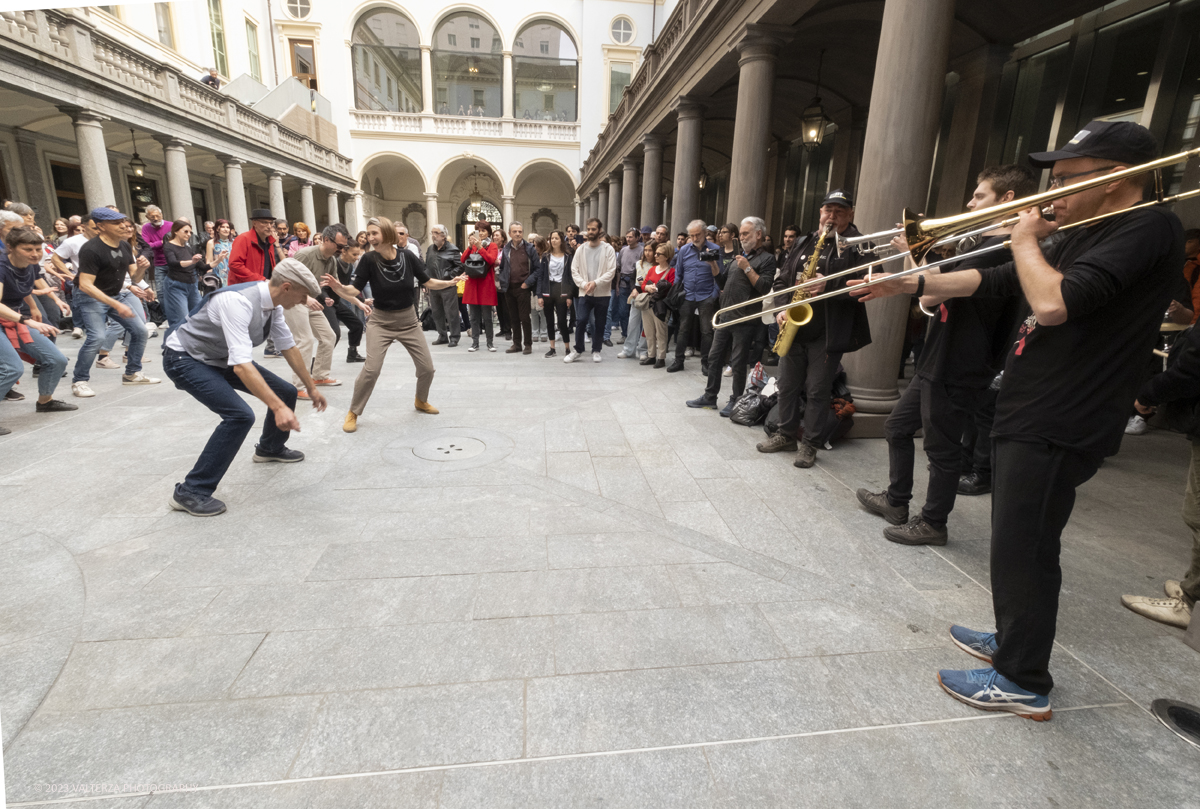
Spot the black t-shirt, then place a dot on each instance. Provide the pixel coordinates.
(969, 337)
(18, 283)
(108, 264)
(175, 255)
(393, 283)
(1073, 384)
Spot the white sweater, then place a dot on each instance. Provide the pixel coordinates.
(597, 264)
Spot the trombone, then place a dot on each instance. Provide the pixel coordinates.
(923, 234)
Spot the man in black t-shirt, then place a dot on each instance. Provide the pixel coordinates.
(963, 352)
(103, 264)
(1097, 298)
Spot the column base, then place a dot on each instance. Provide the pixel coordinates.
(872, 400)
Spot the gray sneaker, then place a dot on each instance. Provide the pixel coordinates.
(877, 503)
(777, 443)
(916, 532)
(806, 456)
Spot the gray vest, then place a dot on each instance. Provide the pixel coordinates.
(204, 340)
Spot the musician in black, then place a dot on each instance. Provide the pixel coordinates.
(838, 326)
(964, 349)
(1097, 297)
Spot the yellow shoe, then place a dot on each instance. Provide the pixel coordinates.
(351, 422)
(425, 407)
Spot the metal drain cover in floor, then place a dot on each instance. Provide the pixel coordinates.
(1180, 717)
(450, 448)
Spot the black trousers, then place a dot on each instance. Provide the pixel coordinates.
(689, 313)
(517, 302)
(481, 317)
(344, 312)
(942, 411)
(976, 437)
(1033, 492)
(736, 340)
(556, 310)
(502, 313)
(809, 368)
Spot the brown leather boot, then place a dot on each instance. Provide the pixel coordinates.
(425, 407)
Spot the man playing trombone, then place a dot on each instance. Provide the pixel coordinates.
(964, 350)
(837, 326)
(1097, 298)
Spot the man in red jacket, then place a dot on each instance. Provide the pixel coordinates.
(252, 256)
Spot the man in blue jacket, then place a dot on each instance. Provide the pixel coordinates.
(518, 261)
(699, 278)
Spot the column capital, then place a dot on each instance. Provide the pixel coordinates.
(652, 143)
(759, 42)
(688, 107)
(306, 185)
(229, 160)
(426, 48)
(82, 115)
(614, 176)
(431, 195)
(275, 174)
(358, 194)
(507, 197)
(171, 142)
(629, 163)
(506, 54)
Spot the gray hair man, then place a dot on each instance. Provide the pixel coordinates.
(750, 276)
(210, 357)
(696, 269)
(443, 261)
(310, 328)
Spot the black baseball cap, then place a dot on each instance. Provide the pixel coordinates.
(1122, 141)
(838, 197)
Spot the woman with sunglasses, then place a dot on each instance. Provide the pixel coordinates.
(657, 282)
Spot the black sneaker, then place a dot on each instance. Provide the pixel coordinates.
(677, 365)
(550, 353)
(197, 505)
(441, 341)
(4, 431)
(916, 532)
(608, 343)
(974, 483)
(878, 503)
(705, 401)
(648, 361)
(13, 396)
(54, 406)
(353, 356)
(728, 408)
(453, 342)
(284, 455)
(660, 363)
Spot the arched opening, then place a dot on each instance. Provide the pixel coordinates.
(545, 73)
(392, 185)
(468, 67)
(463, 182)
(386, 52)
(544, 197)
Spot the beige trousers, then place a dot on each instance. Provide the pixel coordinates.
(384, 328)
(311, 329)
(656, 335)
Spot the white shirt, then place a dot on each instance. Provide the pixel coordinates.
(557, 263)
(68, 251)
(231, 311)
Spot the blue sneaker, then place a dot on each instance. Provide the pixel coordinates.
(976, 644)
(989, 690)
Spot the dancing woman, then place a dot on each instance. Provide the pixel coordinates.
(394, 276)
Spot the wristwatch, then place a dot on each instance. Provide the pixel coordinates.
(23, 319)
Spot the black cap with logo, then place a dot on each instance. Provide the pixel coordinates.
(1122, 141)
(838, 197)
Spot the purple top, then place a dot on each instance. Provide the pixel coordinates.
(154, 237)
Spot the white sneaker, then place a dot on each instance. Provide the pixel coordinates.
(82, 390)
(164, 325)
(595, 356)
(1136, 426)
(728, 371)
(105, 362)
(1171, 611)
(139, 379)
(151, 329)
(474, 347)
(77, 333)
(572, 355)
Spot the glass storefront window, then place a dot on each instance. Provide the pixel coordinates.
(469, 78)
(545, 74)
(386, 53)
(1039, 83)
(1119, 74)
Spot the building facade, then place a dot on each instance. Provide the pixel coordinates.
(752, 108)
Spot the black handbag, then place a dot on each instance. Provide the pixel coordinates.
(475, 266)
(677, 297)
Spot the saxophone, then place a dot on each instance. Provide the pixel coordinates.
(800, 312)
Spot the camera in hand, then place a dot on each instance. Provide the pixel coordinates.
(710, 255)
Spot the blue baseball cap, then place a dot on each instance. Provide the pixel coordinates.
(107, 215)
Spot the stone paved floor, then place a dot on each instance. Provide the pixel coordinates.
(617, 603)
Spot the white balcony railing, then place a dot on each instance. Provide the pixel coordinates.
(463, 126)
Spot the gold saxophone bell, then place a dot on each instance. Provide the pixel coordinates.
(797, 316)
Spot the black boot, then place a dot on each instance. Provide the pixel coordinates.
(352, 355)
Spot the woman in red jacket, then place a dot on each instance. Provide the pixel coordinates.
(479, 294)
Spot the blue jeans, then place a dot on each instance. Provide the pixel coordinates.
(179, 298)
(114, 329)
(44, 353)
(217, 389)
(635, 343)
(618, 311)
(94, 314)
(590, 308)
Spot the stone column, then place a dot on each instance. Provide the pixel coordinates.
(629, 194)
(426, 80)
(37, 194)
(752, 123)
(235, 192)
(93, 158)
(686, 188)
(652, 165)
(354, 213)
(335, 215)
(308, 209)
(602, 202)
(507, 90)
(902, 127)
(578, 210)
(593, 208)
(179, 184)
(612, 222)
(431, 212)
(509, 216)
(275, 192)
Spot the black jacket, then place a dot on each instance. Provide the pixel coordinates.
(443, 264)
(539, 279)
(846, 326)
(506, 266)
(1178, 387)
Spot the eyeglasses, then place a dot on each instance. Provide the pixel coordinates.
(1059, 182)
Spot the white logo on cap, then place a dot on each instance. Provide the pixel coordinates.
(1079, 136)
